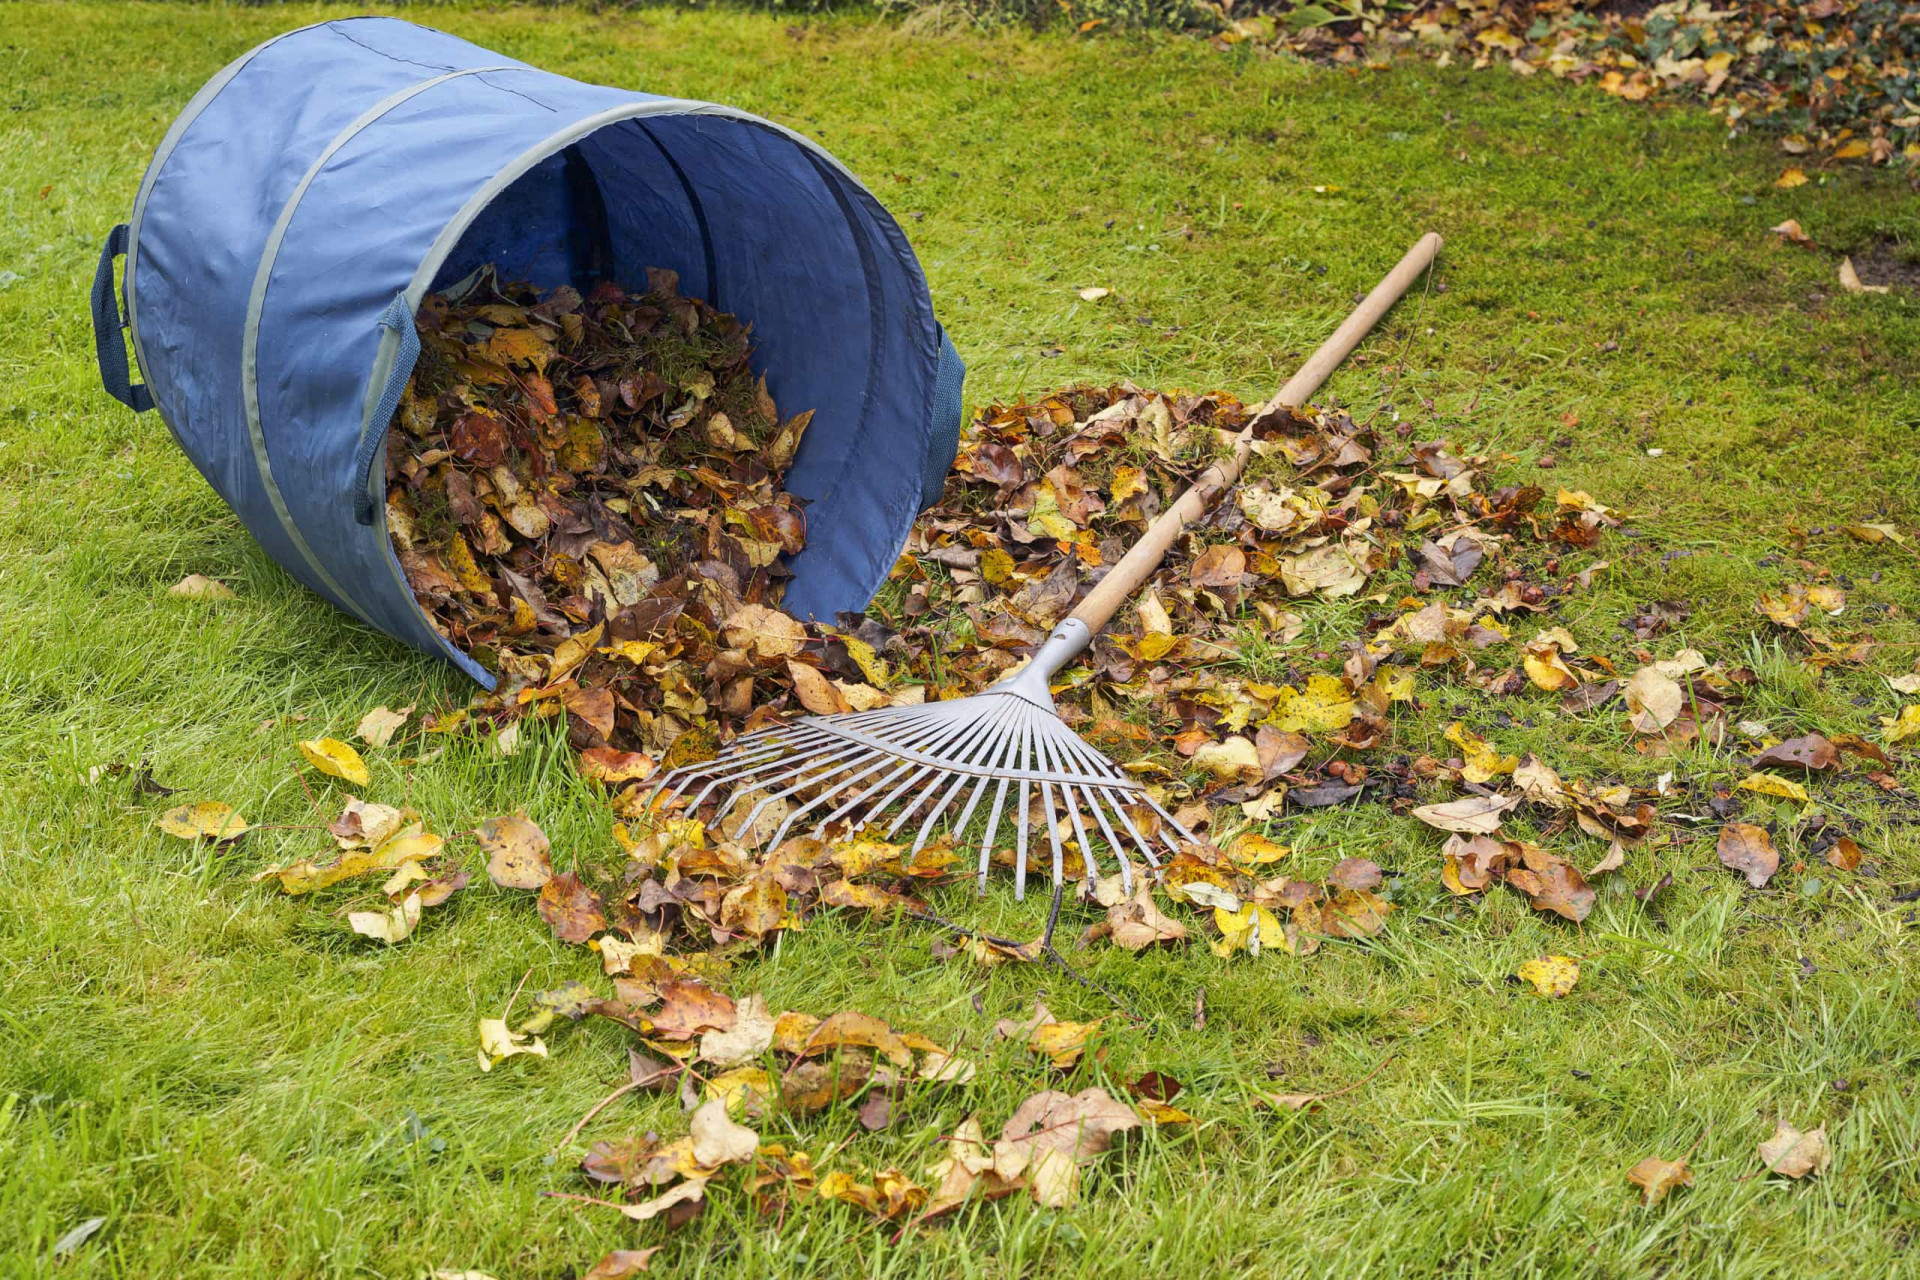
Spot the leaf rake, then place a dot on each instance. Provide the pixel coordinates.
(1006, 742)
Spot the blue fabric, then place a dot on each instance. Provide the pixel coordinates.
(399, 318)
(109, 338)
(944, 441)
(555, 180)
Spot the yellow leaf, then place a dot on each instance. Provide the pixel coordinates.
(336, 759)
(1127, 481)
(389, 927)
(497, 1043)
(1769, 784)
(1234, 760)
(208, 820)
(1791, 178)
(1903, 726)
(1551, 975)
(1324, 705)
(198, 586)
(1046, 520)
(1483, 763)
(1853, 150)
(1251, 849)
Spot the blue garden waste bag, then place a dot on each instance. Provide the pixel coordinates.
(318, 188)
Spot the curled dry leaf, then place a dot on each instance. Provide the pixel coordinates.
(1811, 751)
(198, 586)
(622, 1264)
(1749, 850)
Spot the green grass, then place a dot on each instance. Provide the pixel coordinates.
(243, 1088)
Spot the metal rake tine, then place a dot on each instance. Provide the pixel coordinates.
(976, 732)
(939, 737)
(1052, 756)
(983, 751)
(861, 799)
(818, 765)
(1014, 730)
(1094, 799)
(1021, 814)
(818, 750)
(879, 762)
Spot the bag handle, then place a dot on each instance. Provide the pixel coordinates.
(109, 328)
(945, 440)
(398, 317)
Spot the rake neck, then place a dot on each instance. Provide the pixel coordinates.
(1034, 681)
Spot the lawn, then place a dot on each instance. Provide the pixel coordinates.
(241, 1087)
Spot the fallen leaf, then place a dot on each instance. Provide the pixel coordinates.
(1654, 700)
(717, 1139)
(516, 852)
(378, 726)
(1790, 232)
(197, 586)
(1791, 178)
(1093, 293)
(77, 1236)
(1851, 282)
(749, 1037)
(207, 820)
(336, 759)
(1471, 815)
(1795, 1154)
(1812, 751)
(1051, 1134)
(1768, 784)
(1138, 922)
(392, 926)
(1234, 760)
(1749, 850)
(1844, 855)
(622, 1264)
(1903, 726)
(571, 910)
(1655, 1177)
(1552, 976)
(497, 1043)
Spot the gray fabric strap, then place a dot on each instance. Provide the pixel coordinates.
(109, 325)
(399, 318)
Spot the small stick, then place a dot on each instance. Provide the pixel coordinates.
(595, 1110)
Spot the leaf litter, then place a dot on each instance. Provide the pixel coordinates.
(1045, 495)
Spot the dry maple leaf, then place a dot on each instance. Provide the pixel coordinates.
(1655, 1177)
(1794, 1154)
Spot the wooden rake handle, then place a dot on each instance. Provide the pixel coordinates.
(1138, 565)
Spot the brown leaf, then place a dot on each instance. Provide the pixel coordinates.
(1749, 850)
(571, 909)
(1655, 1177)
(815, 691)
(1138, 922)
(1219, 566)
(1811, 751)
(1355, 873)
(689, 1008)
(1557, 887)
(622, 1264)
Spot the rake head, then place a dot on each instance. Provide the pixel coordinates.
(918, 764)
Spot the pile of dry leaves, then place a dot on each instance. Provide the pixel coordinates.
(1840, 78)
(568, 475)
